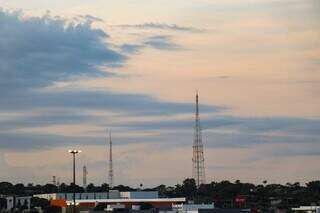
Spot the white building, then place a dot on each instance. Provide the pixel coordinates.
(191, 208)
(17, 202)
(113, 194)
(307, 209)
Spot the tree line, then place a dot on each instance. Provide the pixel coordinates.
(223, 194)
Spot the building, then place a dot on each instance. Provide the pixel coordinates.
(14, 202)
(112, 199)
(112, 194)
(307, 209)
(191, 208)
(79, 196)
(139, 195)
(159, 203)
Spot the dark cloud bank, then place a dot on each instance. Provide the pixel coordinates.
(38, 51)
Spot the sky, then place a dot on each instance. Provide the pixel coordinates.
(70, 71)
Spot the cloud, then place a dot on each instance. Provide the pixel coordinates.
(103, 100)
(222, 135)
(235, 132)
(162, 26)
(162, 43)
(131, 48)
(91, 19)
(299, 150)
(38, 51)
(250, 125)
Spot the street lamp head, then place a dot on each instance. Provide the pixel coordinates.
(74, 151)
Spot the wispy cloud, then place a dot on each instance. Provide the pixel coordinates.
(160, 42)
(161, 26)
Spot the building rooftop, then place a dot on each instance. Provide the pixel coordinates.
(129, 200)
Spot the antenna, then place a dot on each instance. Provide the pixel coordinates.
(198, 170)
(85, 173)
(110, 174)
(54, 182)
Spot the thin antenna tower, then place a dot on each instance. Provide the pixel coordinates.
(85, 173)
(110, 174)
(54, 180)
(198, 171)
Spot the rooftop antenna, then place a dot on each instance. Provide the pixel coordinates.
(198, 170)
(110, 173)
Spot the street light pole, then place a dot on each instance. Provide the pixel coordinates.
(74, 152)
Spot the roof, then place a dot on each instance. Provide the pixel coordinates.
(130, 200)
(306, 208)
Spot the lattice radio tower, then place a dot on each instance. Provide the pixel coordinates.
(110, 173)
(198, 171)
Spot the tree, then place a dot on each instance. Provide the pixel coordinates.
(314, 186)
(39, 202)
(104, 187)
(19, 189)
(162, 190)
(123, 188)
(6, 188)
(62, 186)
(49, 188)
(91, 188)
(189, 188)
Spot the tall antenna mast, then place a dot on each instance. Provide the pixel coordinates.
(85, 173)
(110, 175)
(198, 171)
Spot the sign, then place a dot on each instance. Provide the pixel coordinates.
(240, 199)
